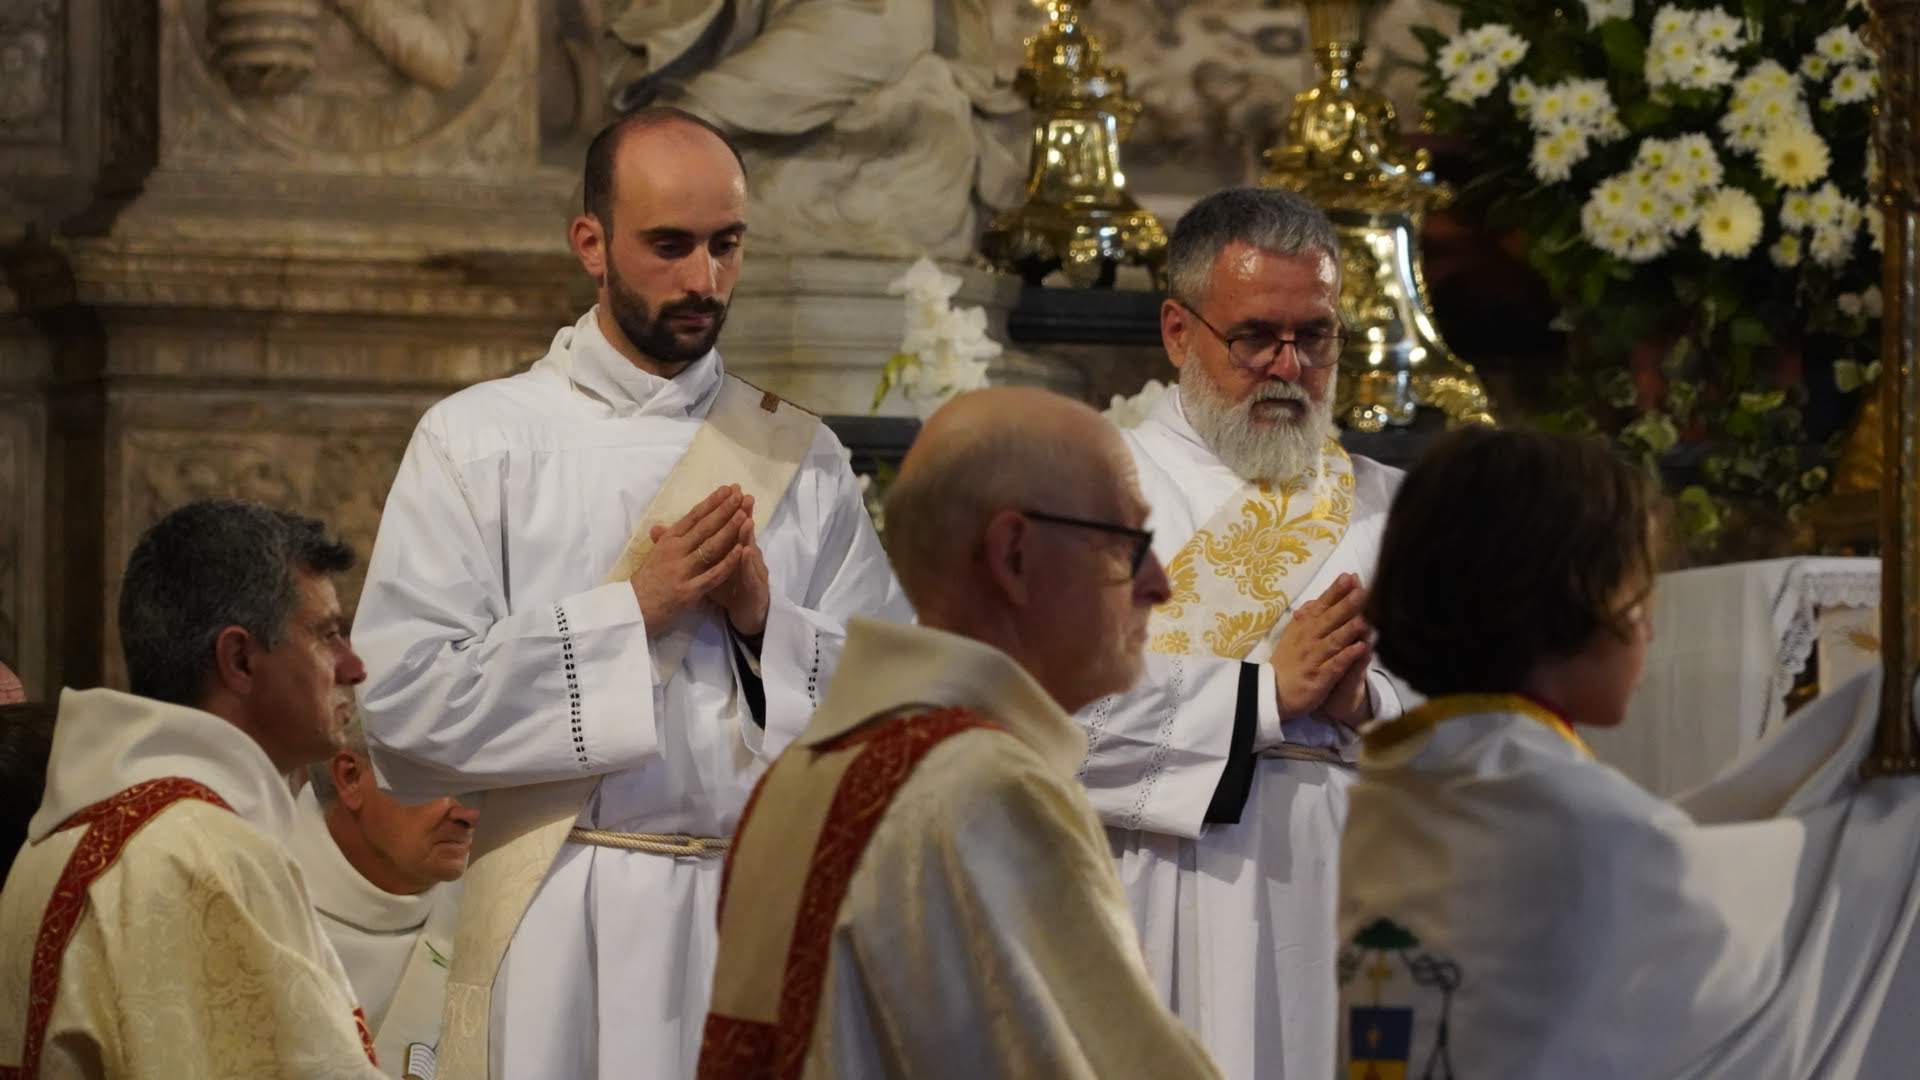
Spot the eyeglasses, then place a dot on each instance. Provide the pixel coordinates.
(1258, 349)
(1142, 538)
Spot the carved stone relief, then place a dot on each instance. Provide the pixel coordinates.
(352, 76)
(342, 479)
(32, 70)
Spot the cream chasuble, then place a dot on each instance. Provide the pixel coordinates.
(498, 656)
(1227, 851)
(155, 925)
(921, 890)
(1514, 908)
(395, 948)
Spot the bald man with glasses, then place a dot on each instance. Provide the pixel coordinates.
(919, 887)
(1222, 773)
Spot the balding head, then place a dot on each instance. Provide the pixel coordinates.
(973, 531)
(665, 218)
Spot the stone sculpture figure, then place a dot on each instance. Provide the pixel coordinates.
(879, 128)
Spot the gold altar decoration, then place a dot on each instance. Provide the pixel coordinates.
(1896, 33)
(1078, 215)
(1342, 151)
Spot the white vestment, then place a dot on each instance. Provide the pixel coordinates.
(497, 658)
(195, 951)
(395, 948)
(1237, 920)
(948, 915)
(1515, 908)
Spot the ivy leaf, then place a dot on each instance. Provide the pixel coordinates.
(1626, 48)
(1654, 431)
(1749, 332)
(1760, 404)
(1848, 376)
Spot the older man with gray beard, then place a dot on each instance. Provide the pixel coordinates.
(1222, 775)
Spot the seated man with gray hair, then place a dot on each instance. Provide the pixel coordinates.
(384, 876)
(155, 925)
(918, 887)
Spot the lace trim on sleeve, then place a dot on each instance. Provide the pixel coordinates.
(1163, 743)
(574, 713)
(1096, 724)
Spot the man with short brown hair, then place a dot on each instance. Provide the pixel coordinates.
(606, 591)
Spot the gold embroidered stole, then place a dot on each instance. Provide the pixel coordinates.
(1240, 574)
(750, 438)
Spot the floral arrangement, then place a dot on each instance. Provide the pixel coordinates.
(1693, 183)
(945, 349)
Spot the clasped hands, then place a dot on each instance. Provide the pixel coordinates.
(708, 555)
(1320, 661)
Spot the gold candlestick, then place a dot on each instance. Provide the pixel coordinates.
(1078, 215)
(1342, 151)
(1896, 31)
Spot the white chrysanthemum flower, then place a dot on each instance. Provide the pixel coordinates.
(1549, 108)
(1870, 302)
(1508, 53)
(1647, 246)
(1611, 196)
(1825, 205)
(1718, 30)
(1493, 39)
(1675, 181)
(1830, 245)
(1599, 11)
(1453, 58)
(1730, 224)
(1786, 251)
(1476, 82)
(1614, 237)
(1681, 215)
(1841, 45)
(924, 280)
(1645, 209)
(1794, 156)
(1849, 304)
(1653, 155)
(1587, 97)
(1671, 20)
(1850, 86)
(1711, 73)
(1796, 210)
(1876, 226)
(1554, 156)
(1815, 67)
(1697, 154)
(1522, 94)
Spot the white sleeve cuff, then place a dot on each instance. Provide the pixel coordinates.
(1268, 732)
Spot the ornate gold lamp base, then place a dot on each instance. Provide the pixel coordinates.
(1078, 215)
(1088, 246)
(1341, 152)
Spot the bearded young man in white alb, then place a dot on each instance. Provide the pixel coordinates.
(156, 926)
(385, 879)
(575, 591)
(1222, 775)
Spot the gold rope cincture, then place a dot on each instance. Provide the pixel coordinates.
(676, 845)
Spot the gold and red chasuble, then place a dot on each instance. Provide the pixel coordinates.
(762, 1017)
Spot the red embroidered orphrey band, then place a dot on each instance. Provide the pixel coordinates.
(110, 824)
(733, 1049)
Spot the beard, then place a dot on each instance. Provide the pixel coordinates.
(1256, 451)
(653, 333)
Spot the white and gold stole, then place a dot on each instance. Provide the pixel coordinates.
(1241, 572)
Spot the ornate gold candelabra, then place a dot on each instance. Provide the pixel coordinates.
(1896, 28)
(1078, 215)
(1343, 152)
